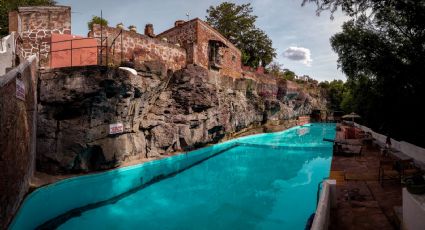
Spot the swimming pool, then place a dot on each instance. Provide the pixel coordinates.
(266, 181)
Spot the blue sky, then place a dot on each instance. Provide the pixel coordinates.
(300, 37)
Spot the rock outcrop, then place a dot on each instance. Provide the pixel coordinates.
(162, 112)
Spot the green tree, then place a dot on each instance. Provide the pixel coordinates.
(10, 5)
(288, 74)
(335, 93)
(96, 20)
(236, 23)
(381, 50)
(275, 69)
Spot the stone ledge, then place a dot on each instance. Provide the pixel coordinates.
(43, 8)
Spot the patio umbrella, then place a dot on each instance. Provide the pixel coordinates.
(351, 115)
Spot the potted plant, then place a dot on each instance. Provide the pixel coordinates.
(120, 25)
(133, 28)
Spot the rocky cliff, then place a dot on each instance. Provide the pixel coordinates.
(162, 112)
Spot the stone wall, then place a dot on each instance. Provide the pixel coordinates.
(139, 48)
(17, 137)
(7, 51)
(35, 24)
(186, 36)
(231, 60)
(161, 112)
(194, 36)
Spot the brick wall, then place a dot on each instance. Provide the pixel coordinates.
(35, 26)
(17, 138)
(138, 48)
(194, 36)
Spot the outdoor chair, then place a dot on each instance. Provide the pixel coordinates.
(407, 168)
(384, 152)
(387, 171)
(337, 148)
(367, 139)
(349, 150)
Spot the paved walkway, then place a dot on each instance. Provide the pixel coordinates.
(362, 203)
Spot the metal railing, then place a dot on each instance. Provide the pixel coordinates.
(45, 57)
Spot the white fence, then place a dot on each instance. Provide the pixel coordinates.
(7, 50)
(413, 151)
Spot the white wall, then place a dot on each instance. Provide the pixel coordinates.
(413, 211)
(327, 200)
(7, 50)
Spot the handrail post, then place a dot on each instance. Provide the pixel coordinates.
(101, 37)
(50, 55)
(122, 47)
(39, 56)
(71, 53)
(107, 54)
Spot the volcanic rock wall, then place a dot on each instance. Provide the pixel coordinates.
(161, 112)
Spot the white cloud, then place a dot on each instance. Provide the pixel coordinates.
(300, 54)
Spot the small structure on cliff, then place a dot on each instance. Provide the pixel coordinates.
(34, 27)
(205, 46)
(46, 32)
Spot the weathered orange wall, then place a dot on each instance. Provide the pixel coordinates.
(80, 56)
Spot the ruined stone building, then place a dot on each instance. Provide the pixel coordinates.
(46, 32)
(205, 46)
(130, 46)
(188, 42)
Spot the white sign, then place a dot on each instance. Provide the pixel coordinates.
(20, 89)
(116, 128)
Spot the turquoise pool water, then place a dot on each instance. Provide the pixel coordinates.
(266, 181)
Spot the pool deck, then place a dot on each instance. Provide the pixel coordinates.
(362, 203)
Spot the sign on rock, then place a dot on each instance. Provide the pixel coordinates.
(116, 128)
(20, 89)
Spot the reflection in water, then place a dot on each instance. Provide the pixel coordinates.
(302, 131)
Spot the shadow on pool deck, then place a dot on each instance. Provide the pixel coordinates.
(362, 203)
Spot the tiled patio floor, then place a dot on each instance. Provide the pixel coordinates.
(362, 203)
